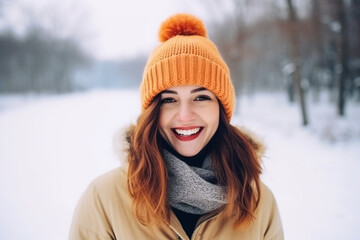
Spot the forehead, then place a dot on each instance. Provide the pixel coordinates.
(186, 89)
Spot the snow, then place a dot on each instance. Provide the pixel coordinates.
(312, 171)
(51, 147)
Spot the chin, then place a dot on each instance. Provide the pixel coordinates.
(187, 153)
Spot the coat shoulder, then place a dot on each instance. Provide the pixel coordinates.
(110, 179)
(268, 212)
(105, 198)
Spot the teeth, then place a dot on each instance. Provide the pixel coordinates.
(187, 132)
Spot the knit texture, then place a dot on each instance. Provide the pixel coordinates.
(187, 57)
(191, 189)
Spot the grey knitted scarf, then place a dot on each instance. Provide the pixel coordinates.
(192, 189)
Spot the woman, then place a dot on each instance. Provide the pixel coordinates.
(189, 174)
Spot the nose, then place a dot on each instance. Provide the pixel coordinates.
(186, 112)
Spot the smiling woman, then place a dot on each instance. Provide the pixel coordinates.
(188, 172)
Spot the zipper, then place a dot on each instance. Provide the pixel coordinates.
(203, 220)
(176, 232)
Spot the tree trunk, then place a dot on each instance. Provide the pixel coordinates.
(294, 46)
(319, 51)
(343, 58)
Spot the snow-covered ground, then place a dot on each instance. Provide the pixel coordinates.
(51, 147)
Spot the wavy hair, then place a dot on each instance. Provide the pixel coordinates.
(234, 160)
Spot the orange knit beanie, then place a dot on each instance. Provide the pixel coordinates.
(186, 57)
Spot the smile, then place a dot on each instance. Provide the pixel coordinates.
(187, 134)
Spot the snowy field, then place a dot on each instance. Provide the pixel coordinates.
(51, 147)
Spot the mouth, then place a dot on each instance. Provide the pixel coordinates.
(188, 133)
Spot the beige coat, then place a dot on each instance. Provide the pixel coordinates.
(104, 212)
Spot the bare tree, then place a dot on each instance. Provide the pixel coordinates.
(272, 45)
(294, 46)
(343, 57)
(43, 60)
(319, 65)
(354, 48)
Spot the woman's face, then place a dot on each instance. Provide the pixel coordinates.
(189, 117)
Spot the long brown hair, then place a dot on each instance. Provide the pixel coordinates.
(234, 160)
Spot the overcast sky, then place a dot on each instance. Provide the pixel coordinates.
(110, 29)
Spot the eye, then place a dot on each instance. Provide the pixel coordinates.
(202, 98)
(167, 100)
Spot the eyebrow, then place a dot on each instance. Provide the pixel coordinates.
(192, 91)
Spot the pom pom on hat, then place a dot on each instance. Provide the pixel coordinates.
(181, 24)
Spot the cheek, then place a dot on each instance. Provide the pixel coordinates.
(215, 123)
(214, 112)
(163, 120)
(162, 126)
(214, 118)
